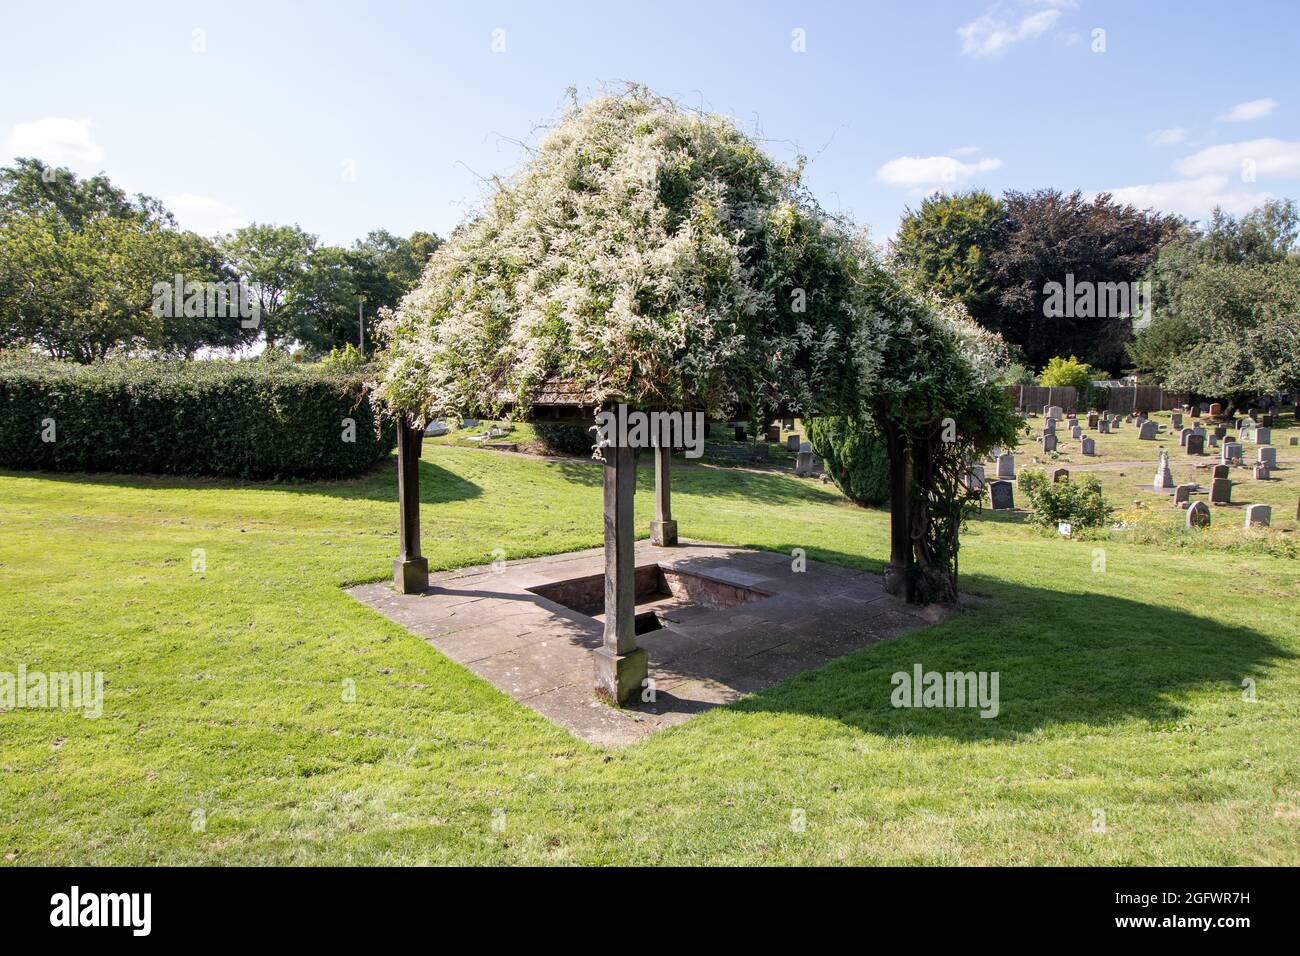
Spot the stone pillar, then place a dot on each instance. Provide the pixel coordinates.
(663, 530)
(620, 665)
(410, 570)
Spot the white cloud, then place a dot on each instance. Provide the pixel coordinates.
(1168, 137)
(964, 151)
(923, 172)
(1265, 157)
(204, 215)
(999, 28)
(1251, 110)
(57, 140)
(1193, 198)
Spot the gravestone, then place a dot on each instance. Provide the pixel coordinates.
(740, 433)
(773, 434)
(787, 424)
(1198, 515)
(436, 428)
(1294, 440)
(1195, 444)
(1164, 478)
(1263, 436)
(1258, 515)
(1220, 431)
(975, 478)
(1183, 435)
(1061, 474)
(1049, 425)
(1216, 409)
(793, 442)
(1076, 432)
(1103, 426)
(1261, 472)
(1214, 441)
(1089, 446)
(1006, 466)
(805, 464)
(1266, 456)
(1196, 411)
(1149, 432)
(1093, 419)
(1001, 496)
(1221, 471)
(1176, 420)
(1049, 442)
(469, 423)
(1221, 491)
(1055, 411)
(1183, 495)
(1231, 450)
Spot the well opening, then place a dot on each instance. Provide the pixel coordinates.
(659, 589)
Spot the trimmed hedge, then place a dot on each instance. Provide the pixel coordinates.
(235, 419)
(855, 459)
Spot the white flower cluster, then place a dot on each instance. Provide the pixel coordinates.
(647, 254)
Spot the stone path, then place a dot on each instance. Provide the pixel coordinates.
(538, 651)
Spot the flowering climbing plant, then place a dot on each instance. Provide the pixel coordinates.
(648, 254)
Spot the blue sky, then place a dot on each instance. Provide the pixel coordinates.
(344, 117)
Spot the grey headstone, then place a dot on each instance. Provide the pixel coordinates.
(1076, 432)
(1183, 494)
(1176, 420)
(1150, 431)
(1103, 426)
(793, 442)
(1221, 471)
(1006, 466)
(1230, 450)
(1259, 515)
(1049, 443)
(975, 478)
(1261, 472)
(1055, 411)
(1183, 435)
(773, 434)
(1263, 436)
(1089, 446)
(1061, 474)
(1266, 456)
(1196, 444)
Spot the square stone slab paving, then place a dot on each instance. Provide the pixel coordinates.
(718, 623)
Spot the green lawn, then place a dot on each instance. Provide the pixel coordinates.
(1121, 691)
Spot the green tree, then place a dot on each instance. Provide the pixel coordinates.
(272, 260)
(945, 246)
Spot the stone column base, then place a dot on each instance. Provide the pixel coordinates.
(663, 533)
(411, 577)
(619, 676)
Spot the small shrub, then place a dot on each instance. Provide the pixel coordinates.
(1063, 371)
(1080, 503)
(346, 359)
(264, 419)
(855, 459)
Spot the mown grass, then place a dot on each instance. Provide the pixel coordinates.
(227, 738)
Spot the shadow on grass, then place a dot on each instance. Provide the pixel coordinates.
(712, 481)
(437, 484)
(1062, 658)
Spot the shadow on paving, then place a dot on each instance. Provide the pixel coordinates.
(1062, 658)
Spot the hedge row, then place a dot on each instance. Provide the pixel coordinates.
(236, 419)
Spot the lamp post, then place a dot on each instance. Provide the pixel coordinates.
(361, 324)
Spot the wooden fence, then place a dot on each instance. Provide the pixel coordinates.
(1121, 398)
